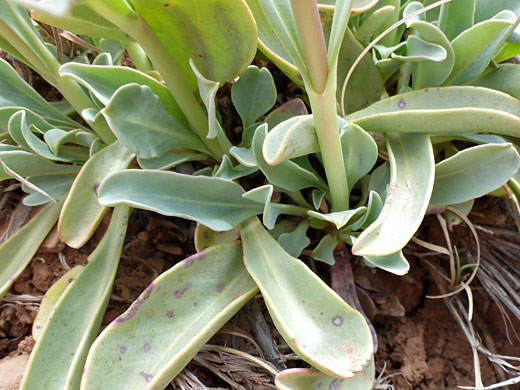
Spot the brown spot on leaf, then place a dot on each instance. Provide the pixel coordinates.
(337, 321)
(220, 287)
(169, 314)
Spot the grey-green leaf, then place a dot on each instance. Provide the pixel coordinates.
(172, 319)
(212, 201)
(474, 172)
(312, 318)
(412, 168)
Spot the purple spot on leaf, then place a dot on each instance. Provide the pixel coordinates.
(169, 314)
(195, 304)
(190, 260)
(132, 310)
(38, 327)
(181, 290)
(121, 348)
(147, 377)
(337, 321)
(95, 187)
(335, 384)
(220, 287)
(401, 103)
(71, 280)
(147, 347)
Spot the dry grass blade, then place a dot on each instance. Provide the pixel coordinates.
(16, 176)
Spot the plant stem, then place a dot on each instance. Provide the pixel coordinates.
(308, 22)
(138, 55)
(139, 29)
(326, 124)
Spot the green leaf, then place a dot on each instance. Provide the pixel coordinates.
(58, 357)
(212, 201)
(324, 251)
(226, 170)
(136, 116)
(220, 36)
(104, 81)
(208, 93)
(456, 16)
(395, 263)
(20, 94)
(170, 160)
(205, 237)
(366, 31)
(475, 47)
(296, 241)
(474, 172)
(429, 73)
(52, 296)
(308, 379)
(82, 213)
(338, 218)
(420, 50)
(19, 249)
(286, 111)
(253, 94)
(28, 164)
(54, 185)
(149, 344)
(287, 174)
(504, 79)
(411, 181)
(443, 110)
(388, 40)
(315, 322)
(359, 152)
(337, 30)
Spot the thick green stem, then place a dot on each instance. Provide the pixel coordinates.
(139, 29)
(326, 124)
(139, 57)
(308, 22)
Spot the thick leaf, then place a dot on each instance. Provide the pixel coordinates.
(474, 172)
(443, 110)
(312, 318)
(286, 174)
(324, 251)
(82, 213)
(388, 40)
(54, 185)
(136, 116)
(219, 36)
(205, 237)
(505, 79)
(253, 94)
(429, 73)
(28, 164)
(214, 202)
(286, 111)
(18, 250)
(58, 357)
(308, 379)
(475, 47)
(395, 263)
(366, 31)
(52, 296)
(170, 160)
(15, 90)
(338, 218)
(420, 50)
(168, 324)
(263, 196)
(226, 170)
(296, 241)
(104, 81)
(359, 152)
(412, 173)
(456, 17)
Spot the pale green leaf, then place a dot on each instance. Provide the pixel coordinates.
(456, 17)
(296, 241)
(136, 116)
(28, 164)
(419, 50)
(253, 94)
(365, 32)
(18, 250)
(505, 79)
(170, 160)
(474, 172)
(170, 322)
(286, 111)
(315, 322)
(308, 379)
(205, 237)
(338, 218)
(212, 201)
(58, 357)
(82, 213)
(324, 251)
(411, 181)
(54, 185)
(226, 170)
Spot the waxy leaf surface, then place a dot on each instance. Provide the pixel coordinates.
(166, 326)
(312, 318)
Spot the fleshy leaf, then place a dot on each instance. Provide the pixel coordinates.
(474, 172)
(505, 79)
(308, 379)
(324, 251)
(54, 185)
(253, 94)
(82, 213)
(315, 322)
(172, 319)
(205, 237)
(338, 218)
(412, 168)
(136, 116)
(212, 201)
(58, 357)
(286, 111)
(29, 164)
(296, 241)
(18, 250)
